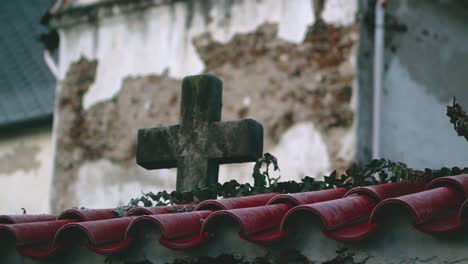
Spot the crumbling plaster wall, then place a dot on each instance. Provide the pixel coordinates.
(295, 78)
(26, 169)
(426, 59)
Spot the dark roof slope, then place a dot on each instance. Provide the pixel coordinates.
(27, 87)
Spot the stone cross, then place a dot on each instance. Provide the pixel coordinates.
(200, 142)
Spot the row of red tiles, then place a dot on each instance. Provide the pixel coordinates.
(347, 215)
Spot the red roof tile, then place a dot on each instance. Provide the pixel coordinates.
(180, 230)
(88, 214)
(253, 221)
(237, 202)
(104, 236)
(155, 210)
(18, 219)
(460, 182)
(336, 214)
(347, 215)
(383, 191)
(439, 209)
(34, 239)
(309, 197)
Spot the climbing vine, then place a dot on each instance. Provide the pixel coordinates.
(377, 171)
(458, 118)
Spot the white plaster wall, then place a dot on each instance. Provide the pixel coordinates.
(103, 184)
(25, 186)
(305, 150)
(159, 39)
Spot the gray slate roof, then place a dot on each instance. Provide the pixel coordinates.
(27, 87)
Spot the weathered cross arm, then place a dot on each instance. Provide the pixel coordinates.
(235, 141)
(200, 143)
(157, 148)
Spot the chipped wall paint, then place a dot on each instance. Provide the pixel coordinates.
(141, 57)
(109, 183)
(162, 40)
(26, 171)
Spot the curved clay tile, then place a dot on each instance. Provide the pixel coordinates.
(337, 213)
(354, 232)
(110, 249)
(104, 236)
(38, 251)
(148, 210)
(18, 219)
(156, 210)
(381, 192)
(33, 233)
(463, 213)
(343, 218)
(258, 224)
(87, 214)
(309, 197)
(180, 230)
(236, 202)
(460, 182)
(34, 239)
(434, 211)
(183, 242)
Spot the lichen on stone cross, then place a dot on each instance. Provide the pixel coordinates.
(201, 142)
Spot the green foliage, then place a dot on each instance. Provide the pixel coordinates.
(381, 171)
(458, 118)
(377, 171)
(262, 178)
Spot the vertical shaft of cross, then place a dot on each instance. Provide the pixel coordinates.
(201, 105)
(201, 101)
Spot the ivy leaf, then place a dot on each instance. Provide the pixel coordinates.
(145, 201)
(121, 211)
(244, 189)
(456, 171)
(176, 197)
(186, 198)
(445, 171)
(383, 176)
(258, 176)
(204, 194)
(332, 180)
(165, 195)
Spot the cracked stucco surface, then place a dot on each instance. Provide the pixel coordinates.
(284, 86)
(23, 157)
(26, 170)
(302, 92)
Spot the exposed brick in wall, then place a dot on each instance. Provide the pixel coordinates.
(108, 129)
(287, 83)
(266, 78)
(70, 116)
